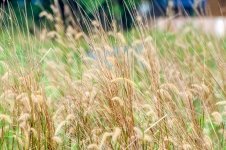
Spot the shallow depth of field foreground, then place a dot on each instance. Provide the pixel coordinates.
(145, 89)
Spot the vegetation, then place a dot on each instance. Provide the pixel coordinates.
(146, 89)
(120, 10)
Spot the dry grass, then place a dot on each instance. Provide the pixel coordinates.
(107, 90)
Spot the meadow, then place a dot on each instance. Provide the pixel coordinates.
(142, 89)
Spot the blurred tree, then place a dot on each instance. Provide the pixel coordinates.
(105, 11)
(123, 11)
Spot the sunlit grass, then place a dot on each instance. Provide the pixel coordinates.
(146, 89)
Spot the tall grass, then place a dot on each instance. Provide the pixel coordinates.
(146, 89)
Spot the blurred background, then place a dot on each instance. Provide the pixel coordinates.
(121, 11)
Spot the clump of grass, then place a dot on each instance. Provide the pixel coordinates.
(146, 89)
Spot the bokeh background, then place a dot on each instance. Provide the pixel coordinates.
(120, 10)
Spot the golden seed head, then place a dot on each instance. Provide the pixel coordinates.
(116, 134)
(57, 139)
(217, 118)
(5, 118)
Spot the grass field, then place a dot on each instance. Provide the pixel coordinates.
(146, 89)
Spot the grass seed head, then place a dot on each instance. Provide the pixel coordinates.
(5, 118)
(217, 118)
(57, 139)
(93, 147)
(116, 134)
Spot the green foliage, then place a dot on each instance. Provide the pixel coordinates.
(91, 5)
